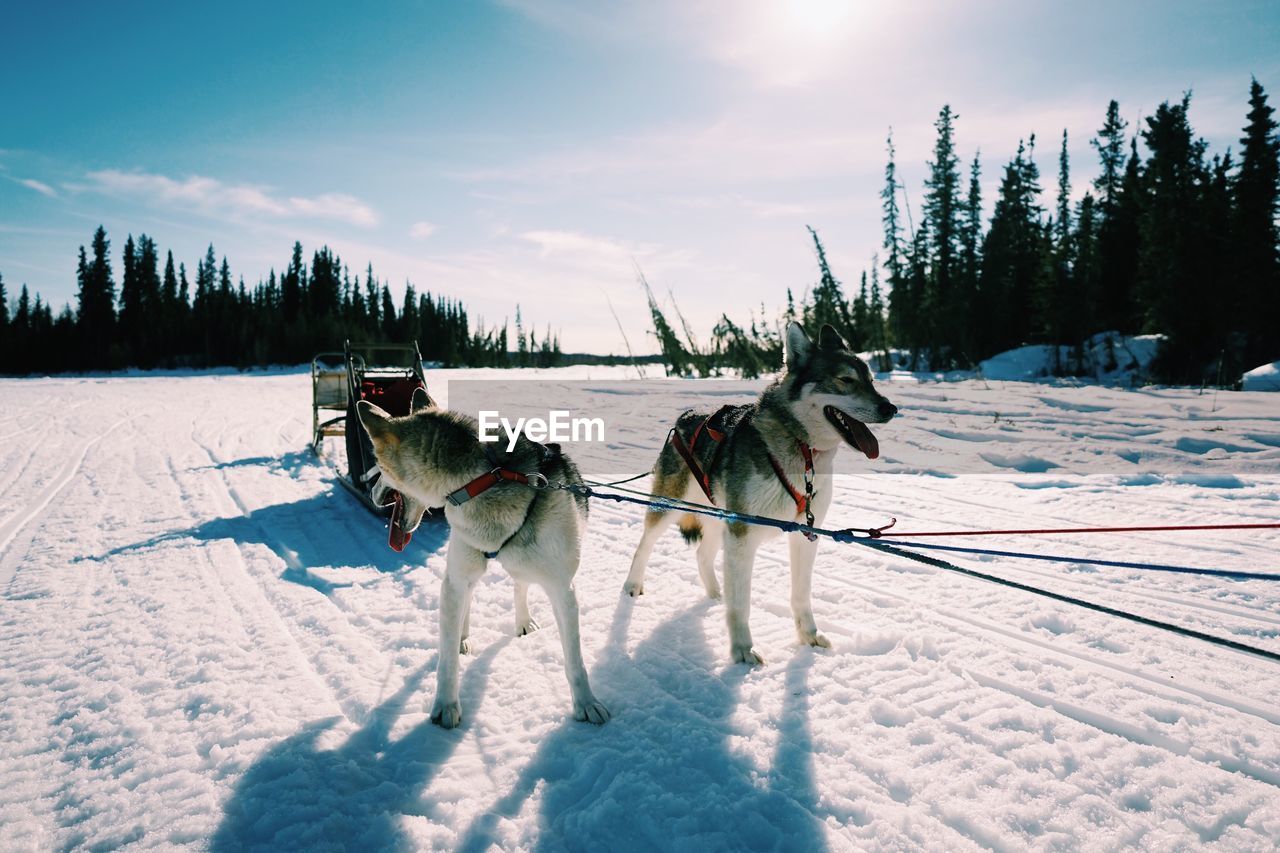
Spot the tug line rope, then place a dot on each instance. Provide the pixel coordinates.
(871, 538)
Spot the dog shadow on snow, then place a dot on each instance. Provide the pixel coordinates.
(330, 529)
(665, 770)
(299, 796)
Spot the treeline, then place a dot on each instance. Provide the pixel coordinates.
(1177, 243)
(159, 317)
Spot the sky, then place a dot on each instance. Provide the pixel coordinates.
(540, 153)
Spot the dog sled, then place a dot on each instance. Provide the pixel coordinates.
(385, 375)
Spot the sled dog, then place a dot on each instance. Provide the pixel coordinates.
(757, 459)
(434, 458)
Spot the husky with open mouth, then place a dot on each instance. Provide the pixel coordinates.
(772, 458)
(434, 458)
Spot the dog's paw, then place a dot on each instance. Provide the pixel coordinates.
(446, 715)
(591, 712)
(713, 592)
(747, 655)
(526, 628)
(464, 647)
(816, 640)
(633, 588)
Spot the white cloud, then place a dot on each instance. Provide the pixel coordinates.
(422, 230)
(39, 186)
(234, 201)
(338, 206)
(557, 242)
(602, 255)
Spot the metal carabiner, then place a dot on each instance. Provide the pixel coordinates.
(538, 481)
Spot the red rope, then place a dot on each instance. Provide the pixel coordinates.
(877, 533)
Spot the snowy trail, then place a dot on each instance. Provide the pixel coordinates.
(205, 642)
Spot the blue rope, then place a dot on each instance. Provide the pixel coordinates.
(860, 536)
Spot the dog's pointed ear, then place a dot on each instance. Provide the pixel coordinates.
(829, 339)
(421, 400)
(798, 346)
(376, 422)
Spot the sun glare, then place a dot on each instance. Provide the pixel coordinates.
(816, 18)
(792, 42)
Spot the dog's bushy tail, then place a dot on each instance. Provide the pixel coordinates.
(691, 529)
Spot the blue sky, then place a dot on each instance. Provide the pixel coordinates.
(533, 152)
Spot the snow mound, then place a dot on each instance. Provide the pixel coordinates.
(1263, 378)
(1108, 357)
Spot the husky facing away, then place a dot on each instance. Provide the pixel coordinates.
(434, 458)
(771, 458)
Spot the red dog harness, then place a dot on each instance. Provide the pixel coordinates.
(483, 483)
(717, 434)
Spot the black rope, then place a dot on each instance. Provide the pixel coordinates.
(628, 480)
(852, 535)
(1079, 602)
(1090, 561)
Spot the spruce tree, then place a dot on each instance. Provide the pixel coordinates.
(19, 338)
(827, 303)
(324, 294)
(1012, 258)
(131, 319)
(859, 327)
(522, 345)
(224, 349)
(291, 287)
(96, 298)
(388, 314)
(371, 300)
(1255, 237)
(6, 333)
(970, 265)
(204, 308)
(22, 314)
(1110, 144)
(1214, 262)
(151, 302)
(184, 323)
(168, 332)
(879, 327)
(914, 292)
(901, 311)
(944, 313)
(1086, 273)
(1170, 263)
(408, 316)
(1120, 195)
(1062, 221)
(1060, 308)
(891, 218)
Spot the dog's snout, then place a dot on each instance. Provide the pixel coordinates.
(887, 409)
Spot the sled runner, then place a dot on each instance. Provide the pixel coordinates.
(385, 375)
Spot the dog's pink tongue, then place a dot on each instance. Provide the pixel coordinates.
(866, 441)
(396, 537)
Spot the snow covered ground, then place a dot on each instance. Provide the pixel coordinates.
(203, 642)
